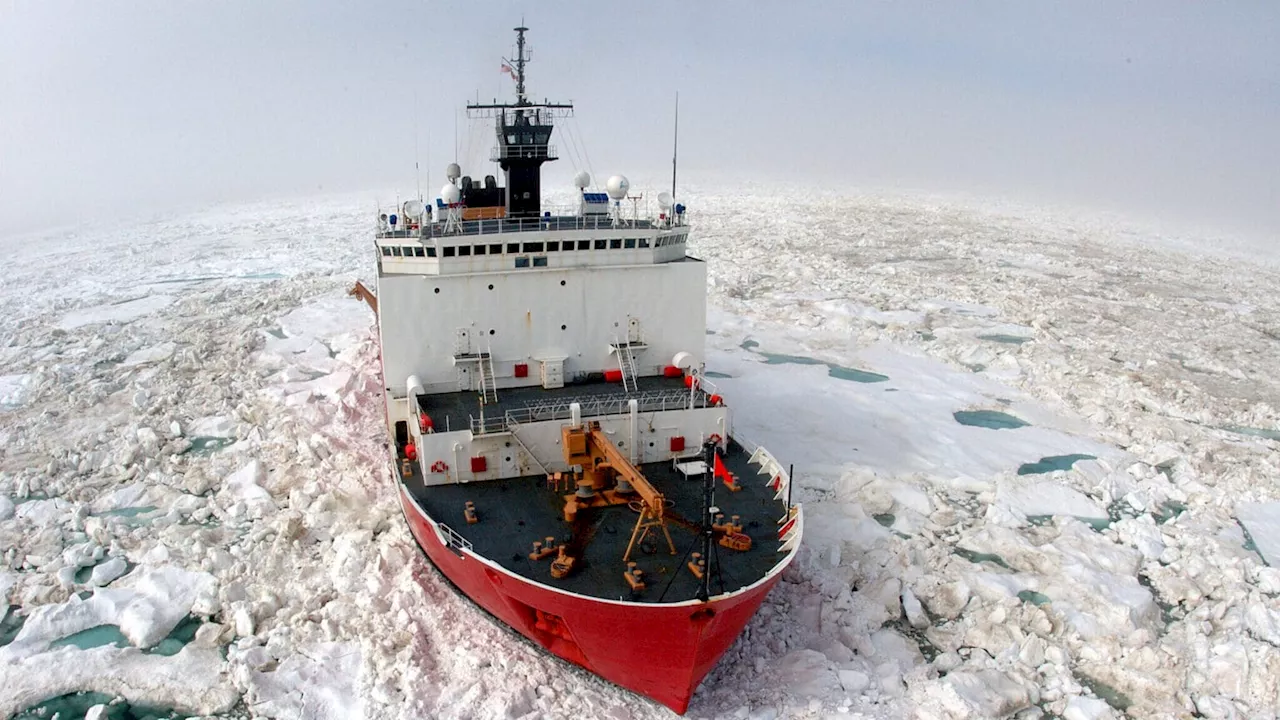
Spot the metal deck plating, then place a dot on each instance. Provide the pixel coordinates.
(515, 512)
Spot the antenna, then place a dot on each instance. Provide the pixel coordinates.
(675, 147)
(417, 176)
(521, 59)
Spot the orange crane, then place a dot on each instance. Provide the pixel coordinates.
(365, 294)
(588, 447)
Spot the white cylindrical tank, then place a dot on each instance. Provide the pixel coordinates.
(617, 187)
(414, 385)
(683, 360)
(450, 194)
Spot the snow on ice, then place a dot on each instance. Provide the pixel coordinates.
(1038, 456)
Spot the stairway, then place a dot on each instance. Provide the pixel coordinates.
(627, 363)
(488, 381)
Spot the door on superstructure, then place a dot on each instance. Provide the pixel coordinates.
(463, 363)
(633, 330)
(462, 342)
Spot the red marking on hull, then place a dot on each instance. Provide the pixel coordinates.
(659, 651)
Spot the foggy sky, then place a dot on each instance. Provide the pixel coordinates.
(1166, 109)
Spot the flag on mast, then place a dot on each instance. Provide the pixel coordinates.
(720, 470)
(508, 70)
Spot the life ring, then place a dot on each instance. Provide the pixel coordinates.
(439, 466)
(715, 438)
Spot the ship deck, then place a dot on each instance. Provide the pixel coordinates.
(515, 512)
(461, 410)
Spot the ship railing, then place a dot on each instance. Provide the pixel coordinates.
(453, 539)
(506, 152)
(591, 406)
(554, 223)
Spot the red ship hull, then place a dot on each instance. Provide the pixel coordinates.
(659, 651)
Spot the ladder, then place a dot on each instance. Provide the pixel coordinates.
(488, 381)
(627, 363)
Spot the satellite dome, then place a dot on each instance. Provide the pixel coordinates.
(664, 200)
(450, 194)
(582, 180)
(412, 209)
(617, 187)
(453, 172)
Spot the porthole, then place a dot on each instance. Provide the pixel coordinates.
(564, 327)
(508, 458)
(490, 287)
(650, 443)
(437, 291)
(490, 331)
(561, 283)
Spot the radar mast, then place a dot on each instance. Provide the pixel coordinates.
(524, 134)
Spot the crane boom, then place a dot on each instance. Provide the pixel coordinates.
(588, 447)
(622, 466)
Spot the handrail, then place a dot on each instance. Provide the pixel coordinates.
(542, 151)
(453, 539)
(592, 406)
(554, 223)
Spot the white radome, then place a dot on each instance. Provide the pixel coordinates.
(664, 200)
(453, 172)
(450, 194)
(617, 187)
(582, 180)
(412, 209)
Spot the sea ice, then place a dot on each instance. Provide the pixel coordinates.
(1140, 355)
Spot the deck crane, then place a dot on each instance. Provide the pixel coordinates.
(588, 447)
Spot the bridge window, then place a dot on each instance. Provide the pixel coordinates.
(522, 262)
(448, 250)
(615, 244)
(431, 251)
(540, 261)
(395, 252)
(600, 244)
(418, 251)
(533, 247)
(480, 249)
(644, 242)
(629, 243)
(584, 244)
(513, 248)
(495, 249)
(386, 251)
(553, 246)
(464, 250)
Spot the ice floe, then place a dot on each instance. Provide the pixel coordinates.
(210, 456)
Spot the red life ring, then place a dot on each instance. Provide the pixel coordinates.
(439, 466)
(715, 438)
